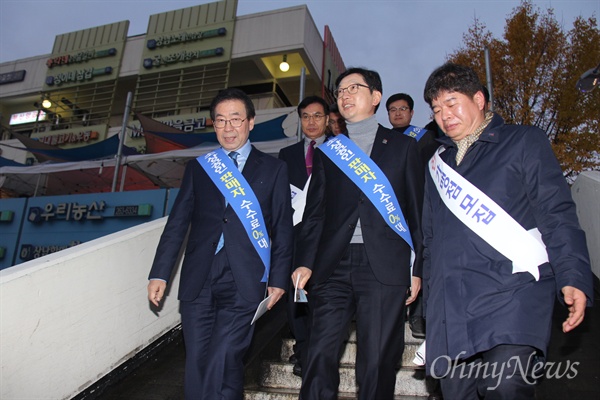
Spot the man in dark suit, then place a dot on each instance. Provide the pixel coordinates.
(400, 108)
(222, 279)
(313, 112)
(357, 265)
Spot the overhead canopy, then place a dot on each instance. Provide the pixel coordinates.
(160, 137)
(141, 171)
(44, 152)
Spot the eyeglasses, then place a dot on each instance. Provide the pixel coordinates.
(235, 122)
(394, 109)
(352, 89)
(317, 117)
(335, 121)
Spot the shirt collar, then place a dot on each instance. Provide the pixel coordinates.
(318, 140)
(244, 151)
(489, 134)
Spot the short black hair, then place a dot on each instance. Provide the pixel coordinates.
(486, 93)
(372, 79)
(451, 78)
(233, 94)
(312, 100)
(400, 96)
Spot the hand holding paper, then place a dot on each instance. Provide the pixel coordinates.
(300, 296)
(262, 308)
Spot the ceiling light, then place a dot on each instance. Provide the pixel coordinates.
(284, 66)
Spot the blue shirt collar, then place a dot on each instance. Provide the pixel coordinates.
(245, 150)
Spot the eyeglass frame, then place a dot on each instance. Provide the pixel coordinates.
(225, 121)
(393, 110)
(335, 121)
(339, 92)
(317, 117)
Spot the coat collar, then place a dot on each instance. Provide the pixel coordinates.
(490, 133)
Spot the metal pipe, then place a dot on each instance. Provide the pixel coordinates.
(488, 74)
(122, 139)
(302, 83)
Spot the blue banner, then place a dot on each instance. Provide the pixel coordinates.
(54, 223)
(415, 132)
(370, 179)
(238, 193)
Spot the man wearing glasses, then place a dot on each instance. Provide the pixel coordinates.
(400, 107)
(356, 264)
(314, 115)
(225, 272)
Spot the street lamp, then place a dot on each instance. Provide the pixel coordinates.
(589, 80)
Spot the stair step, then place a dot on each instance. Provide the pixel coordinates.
(411, 345)
(278, 375)
(408, 337)
(290, 394)
(349, 355)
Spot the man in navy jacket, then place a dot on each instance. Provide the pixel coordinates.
(479, 313)
(221, 274)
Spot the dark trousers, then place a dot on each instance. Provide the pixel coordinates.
(217, 334)
(352, 290)
(298, 323)
(415, 309)
(493, 375)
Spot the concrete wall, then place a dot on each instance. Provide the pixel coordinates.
(586, 193)
(132, 55)
(279, 31)
(71, 317)
(34, 77)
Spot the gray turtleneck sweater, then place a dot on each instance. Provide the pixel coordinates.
(363, 134)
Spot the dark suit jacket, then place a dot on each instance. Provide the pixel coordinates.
(335, 203)
(201, 207)
(427, 145)
(295, 159)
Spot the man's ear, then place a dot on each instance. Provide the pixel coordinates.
(479, 99)
(376, 97)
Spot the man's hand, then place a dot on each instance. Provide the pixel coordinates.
(304, 274)
(415, 287)
(277, 294)
(575, 301)
(156, 291)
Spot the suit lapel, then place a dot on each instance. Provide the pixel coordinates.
(252, 164)
(299, 153)
(382, 138)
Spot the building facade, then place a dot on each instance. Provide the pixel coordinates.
(74, 98)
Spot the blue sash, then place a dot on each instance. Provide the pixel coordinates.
(238, 193)
(415, 132)
(370, 179)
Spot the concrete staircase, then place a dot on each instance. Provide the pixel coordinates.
(277, 382)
